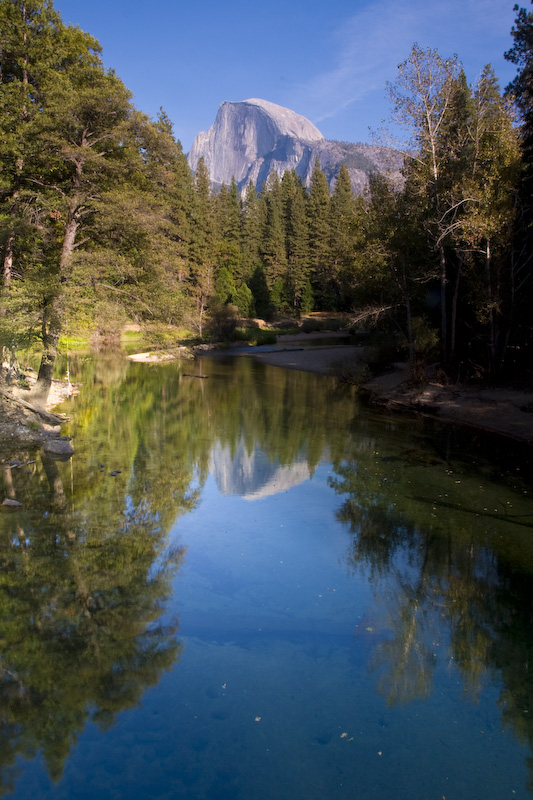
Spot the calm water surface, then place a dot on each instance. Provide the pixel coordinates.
(245, 585)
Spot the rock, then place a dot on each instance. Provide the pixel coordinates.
(251, 138)
(59, 448)
(9, 503)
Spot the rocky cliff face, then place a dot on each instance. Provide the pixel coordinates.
(253, 475)
(250, 139)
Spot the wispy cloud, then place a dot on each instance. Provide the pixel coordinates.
(371, 43)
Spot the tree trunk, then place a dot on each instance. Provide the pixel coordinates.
(55, 311)
(408, 314)
(443, 309)
(7, 270)
(492, 337)
(453, 323)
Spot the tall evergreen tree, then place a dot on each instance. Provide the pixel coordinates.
(521, 87)
(273, 244)
(228, 212)
(80, 141)
(68, 136)
(343, 233)
(296, 238)
(202, 250)
(252, 226)
(28, 41)
(164, 221)
(319, 237)
(521, 91)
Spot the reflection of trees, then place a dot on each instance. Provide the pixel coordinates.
(84, 565)
(292, 416)
(512, 654)
(450, 555)
(79, 632)
(84, 574)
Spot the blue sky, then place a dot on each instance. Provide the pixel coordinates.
(326, 59)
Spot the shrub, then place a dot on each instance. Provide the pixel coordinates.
(222, 321)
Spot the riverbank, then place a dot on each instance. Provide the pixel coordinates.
(504, 411)
(24, 424)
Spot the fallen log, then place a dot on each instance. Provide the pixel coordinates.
(47, 416)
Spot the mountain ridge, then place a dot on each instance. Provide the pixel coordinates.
(251, 138)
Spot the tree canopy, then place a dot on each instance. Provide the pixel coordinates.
(102, 221)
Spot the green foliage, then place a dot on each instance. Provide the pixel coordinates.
(224, 286)
(244, 300)
(261, 293)
(255, 336)
(99, 210)
(221, 321)
(278, 295)
(315, 324)
(110, 319)
(307, 302)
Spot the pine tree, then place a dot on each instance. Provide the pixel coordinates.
(80, 139)
(319, 238)
(273, 244)
(294, 199)
(228, 213)
(233, 215)
(163, 221)
(202, 250)
(27, 43)
(521, 91)
(342, 227)
(252, 226)
(521, 87)
(31, 45)
(67, 127)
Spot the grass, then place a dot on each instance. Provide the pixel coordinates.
(76, 342)
(255, 336)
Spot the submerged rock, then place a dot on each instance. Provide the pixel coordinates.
(59, 448)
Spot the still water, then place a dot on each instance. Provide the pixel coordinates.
(246, 585)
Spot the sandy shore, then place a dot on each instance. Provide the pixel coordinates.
(504, 411)
(498, 410)
(322, 360)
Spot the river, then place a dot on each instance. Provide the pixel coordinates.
(244, 584)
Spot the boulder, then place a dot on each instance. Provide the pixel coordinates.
(59, 448)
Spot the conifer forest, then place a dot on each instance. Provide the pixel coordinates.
(102, 221)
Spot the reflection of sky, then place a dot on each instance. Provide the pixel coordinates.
(284, 645)
(278, 561)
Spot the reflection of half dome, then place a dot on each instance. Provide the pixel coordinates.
(252, 475)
